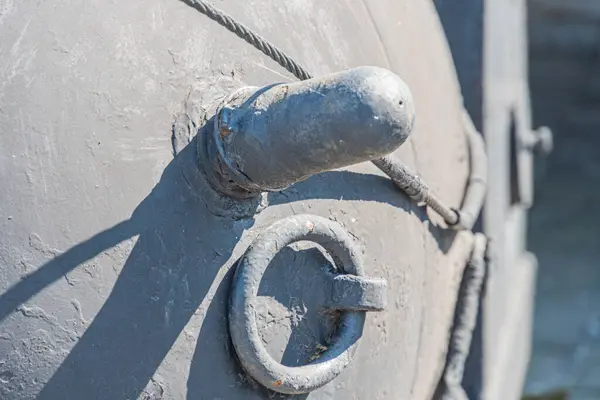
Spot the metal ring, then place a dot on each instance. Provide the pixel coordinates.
(242, 314)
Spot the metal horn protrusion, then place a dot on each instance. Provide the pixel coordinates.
(265, 139)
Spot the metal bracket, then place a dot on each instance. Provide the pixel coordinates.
(524, 145)
(351, 293)
(358, 293)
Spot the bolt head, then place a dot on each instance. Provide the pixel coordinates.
(544, 142)
(225, 121)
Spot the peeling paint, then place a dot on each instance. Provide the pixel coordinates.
(35, 242)
(38, 313)
(155, 390)
(77, 306)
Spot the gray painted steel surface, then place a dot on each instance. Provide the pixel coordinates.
(114, 273)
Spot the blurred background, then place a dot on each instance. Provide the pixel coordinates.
(564, 226)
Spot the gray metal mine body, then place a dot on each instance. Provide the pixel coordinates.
(181, 218)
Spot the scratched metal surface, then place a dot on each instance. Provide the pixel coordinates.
(114, 275)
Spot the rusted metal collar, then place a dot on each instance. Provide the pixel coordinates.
(265, 139)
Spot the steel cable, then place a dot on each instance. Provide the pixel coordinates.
(450, 386)
(251, 37)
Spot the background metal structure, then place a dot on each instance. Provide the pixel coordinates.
(488, 39)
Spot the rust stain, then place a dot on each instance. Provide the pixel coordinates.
(277, 383)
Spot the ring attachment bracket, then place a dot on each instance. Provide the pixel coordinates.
(352, 293)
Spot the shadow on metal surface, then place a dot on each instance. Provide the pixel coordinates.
(294, 283)
(346, 186)
(180, 249)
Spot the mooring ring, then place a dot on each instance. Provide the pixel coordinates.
(353, 296)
